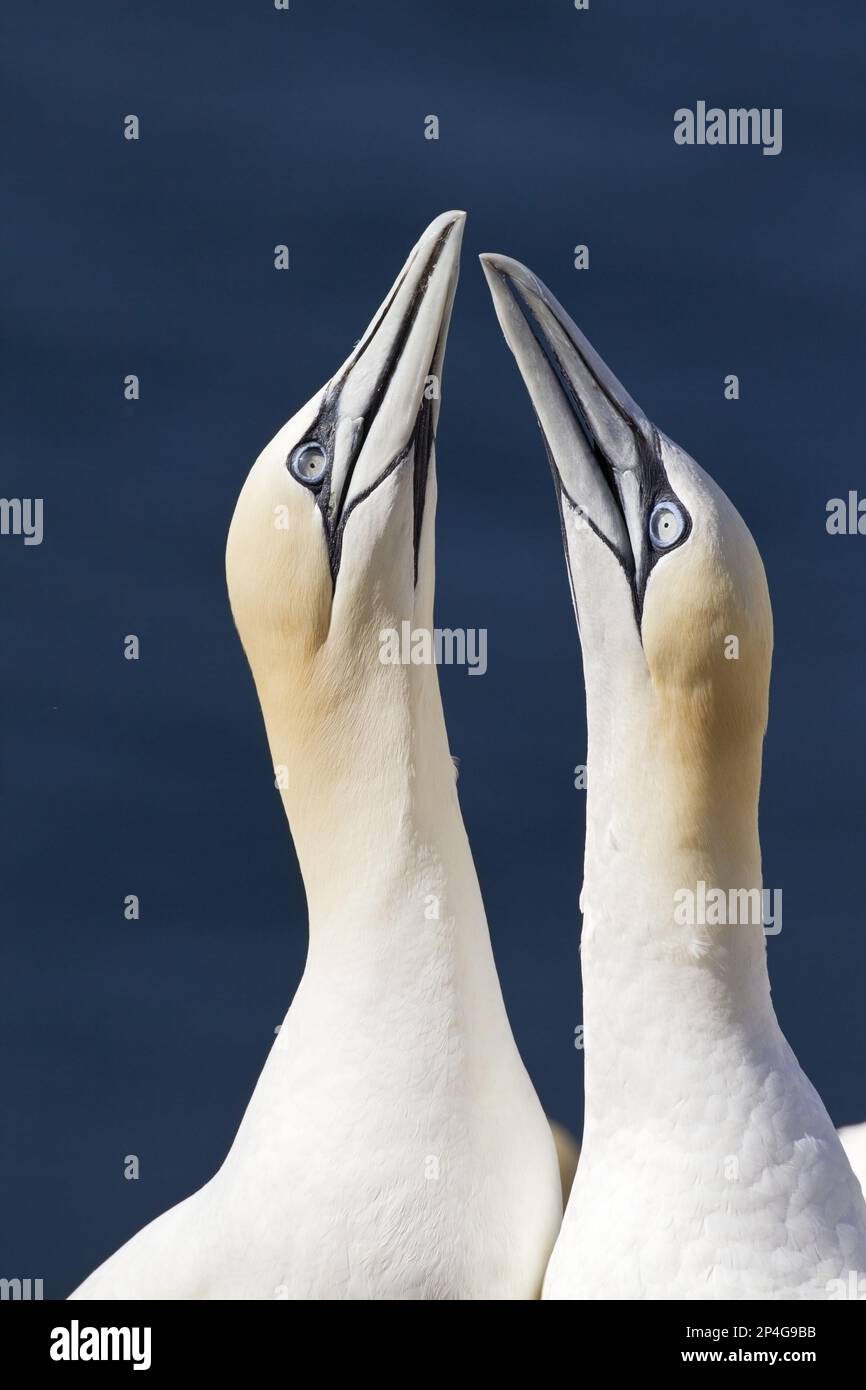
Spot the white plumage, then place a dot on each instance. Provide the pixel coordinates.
(709, 1167)
(853, 1139)
(394, 1146)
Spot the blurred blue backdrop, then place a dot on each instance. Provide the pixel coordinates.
(306, 127)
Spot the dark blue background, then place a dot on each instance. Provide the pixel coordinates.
(306, 127)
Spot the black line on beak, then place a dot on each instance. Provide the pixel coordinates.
(324, 428)
(601, 460)
(423, 440)
(652, 478)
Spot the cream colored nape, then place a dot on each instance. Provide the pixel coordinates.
(394, 1146)
(277, 568)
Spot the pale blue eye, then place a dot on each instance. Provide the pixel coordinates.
(666, 524)
(308, 463)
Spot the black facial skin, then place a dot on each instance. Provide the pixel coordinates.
(653, 482)
(419, 444)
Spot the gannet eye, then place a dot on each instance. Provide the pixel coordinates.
(666, 524)
(308, 463)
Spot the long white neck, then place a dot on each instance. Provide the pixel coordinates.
(664, 1001)
(372, 804)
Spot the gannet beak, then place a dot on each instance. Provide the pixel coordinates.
(381, 408)
(603, 451)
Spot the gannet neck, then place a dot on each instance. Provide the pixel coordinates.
(656, 829)
(402, 859)
(668, 805)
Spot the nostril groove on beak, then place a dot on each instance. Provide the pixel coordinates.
(335, 510)
(566, 385)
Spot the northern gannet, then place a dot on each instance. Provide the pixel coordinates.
(709, 1167)
(394, 1146)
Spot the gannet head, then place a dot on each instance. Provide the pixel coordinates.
(668, 585)
(331, 539)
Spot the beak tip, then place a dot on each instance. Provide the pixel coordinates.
(521, 277)
(446, 229)
(453, 221)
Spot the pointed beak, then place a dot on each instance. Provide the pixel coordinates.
(603, 450)
(381, 408)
